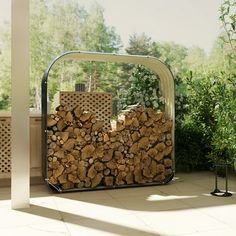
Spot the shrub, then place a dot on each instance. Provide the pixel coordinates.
(190, 149)
(144, 90)
(213, 111)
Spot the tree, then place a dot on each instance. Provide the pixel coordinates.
(41, 48)
(195, 59)
(170, 53)
(5, 69)
(59, 26)
(96, 36)
(173, 55)
(139, 44)
(54, 30)
(218, 59)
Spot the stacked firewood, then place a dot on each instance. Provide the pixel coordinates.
(82, 155)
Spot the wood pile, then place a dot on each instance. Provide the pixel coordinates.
(82, 155)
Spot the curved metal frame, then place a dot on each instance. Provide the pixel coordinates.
(167, 88)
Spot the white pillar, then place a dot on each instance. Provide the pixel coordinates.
(20, 172)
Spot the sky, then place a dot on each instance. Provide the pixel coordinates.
(186, 22)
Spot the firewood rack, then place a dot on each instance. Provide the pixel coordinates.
(217, 192)
(167, 88)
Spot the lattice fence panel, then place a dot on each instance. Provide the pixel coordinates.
(5, 147)
(97, 103)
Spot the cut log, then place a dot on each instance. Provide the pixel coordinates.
(129, 178)
(85, 116)
(160, 147)
(64, 136)
(143, 143)
(82, 170)
(120, 125)
(78, 112)
(52, 180)
(109, 180)
(135, 136)
(108, 155)
(99, 152)
(135, 122)
(98, 126)
(106, 137)
(87, 183)
(168, 142)
(61, 113)
(50, 152)
(119, 179)
(59, 154)
(167, 162)
(92, 172)
(153, 168)
(159, 156)
(57, 172)
(168, 171)
(96, 180)
(152, 152)
(73, 178)
(111, 165)
(134, 148)
(69, 144)
(62, 179)
(159, 178)
(160, 168)
(106, 171)
(69, 118)
(138, 176)
(51, 121)
(147, 172)
(143, 117)
(99, 166)
(143, 130)
(87, 151)
(168, 150)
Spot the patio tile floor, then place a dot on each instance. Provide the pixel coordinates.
(184, 207)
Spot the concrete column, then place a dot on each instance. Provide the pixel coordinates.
(20, 152)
